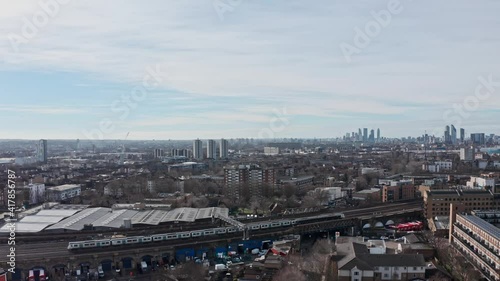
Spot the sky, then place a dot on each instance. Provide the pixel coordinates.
(181, 69)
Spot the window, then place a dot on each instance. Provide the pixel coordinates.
(356, 273)
(386, 275)
(414, 268)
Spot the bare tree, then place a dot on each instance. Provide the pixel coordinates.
(289, 273)
(200, 202)
(310, 201)
(190, 272)
(289, 190)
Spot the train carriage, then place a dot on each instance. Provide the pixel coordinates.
(145, 239)
(196, 233)
(209, 232)
(117, 241)
(132, 240)
(276, 224)
(103, 243)
(221, 230)
(89, 244)
(157, 238)
(171, 236)
(74, 245)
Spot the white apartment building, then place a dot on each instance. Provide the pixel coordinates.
(64, 192)
(467, 154)
(269, 150)
(36, 193)
(480, 182)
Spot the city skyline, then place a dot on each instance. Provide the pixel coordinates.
(231, 78)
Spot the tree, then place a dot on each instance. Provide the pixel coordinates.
(267, 191)
(193, 186)
(289, 273)
(200, 202)
(361, 183)
(289, 190)
(190, 272)
(309, 202)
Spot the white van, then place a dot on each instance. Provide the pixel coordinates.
(144, 266)
(100, 272)
(220, 267)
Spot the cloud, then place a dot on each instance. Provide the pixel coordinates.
(48, 110)
(264, 55)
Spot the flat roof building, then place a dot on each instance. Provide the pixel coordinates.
(479, 240)
(63, 192)
(437, 202)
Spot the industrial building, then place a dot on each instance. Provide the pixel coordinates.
(62, 218)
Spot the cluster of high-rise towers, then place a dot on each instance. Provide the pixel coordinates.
(213, 151)
(450, 136)
(362, 135)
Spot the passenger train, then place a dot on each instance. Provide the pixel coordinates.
(117, 241)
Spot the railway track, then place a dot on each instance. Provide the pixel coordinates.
(159, 229)
(37, 250)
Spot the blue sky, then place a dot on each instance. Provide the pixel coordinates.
(229, 76)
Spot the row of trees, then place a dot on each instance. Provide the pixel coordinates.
(451, 259)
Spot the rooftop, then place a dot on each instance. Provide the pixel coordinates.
(484, 225)
(78, 221)
(114, 218)
(63, 187)
(152, 217)
(36, 222)
(371, 190)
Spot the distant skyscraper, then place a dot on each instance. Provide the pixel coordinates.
(378, 134)
(158, 153)
(453, 135)
(365, 134)
(372, 136)
(77, 148)
(477, 138)
(223, 149)
(42, 151)
(211, 149)
(462, 135)
(447, 136)
(197, 149)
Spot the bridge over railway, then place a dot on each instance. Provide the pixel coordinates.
(54, 256)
